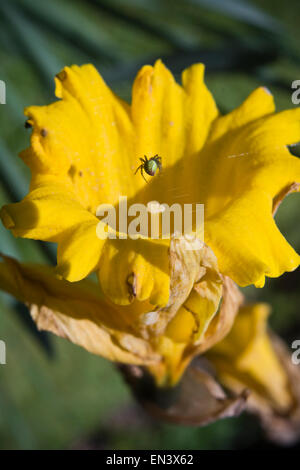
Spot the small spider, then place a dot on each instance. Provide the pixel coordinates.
(149, 166)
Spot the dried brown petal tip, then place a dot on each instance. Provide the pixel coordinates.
(61, 75)
(291, 188)
(284, 428)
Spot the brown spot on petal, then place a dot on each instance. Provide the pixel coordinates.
(44, 132)
(131, 283)
(61, 75)
(72, 171)
(196, 319)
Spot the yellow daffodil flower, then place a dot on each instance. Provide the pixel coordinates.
(158, 303)
(85, 149)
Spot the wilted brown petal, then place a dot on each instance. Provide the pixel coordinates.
(199, 400)
(185, 270)
(76, 311)
(232, 299)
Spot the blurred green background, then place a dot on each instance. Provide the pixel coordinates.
(52, 393)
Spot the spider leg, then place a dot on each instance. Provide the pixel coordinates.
(141, 166)
(142, 173)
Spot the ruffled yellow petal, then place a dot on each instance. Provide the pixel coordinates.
(252, 166)
(164, 113)
(172, 121)
(86, 137)
(247, 243)
(73, 262)
(46, 213)
(258, 104)
(157, 114)
(200, 109)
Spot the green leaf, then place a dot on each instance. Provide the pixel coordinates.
(74, 27)
(31, 41)
(241, 10)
